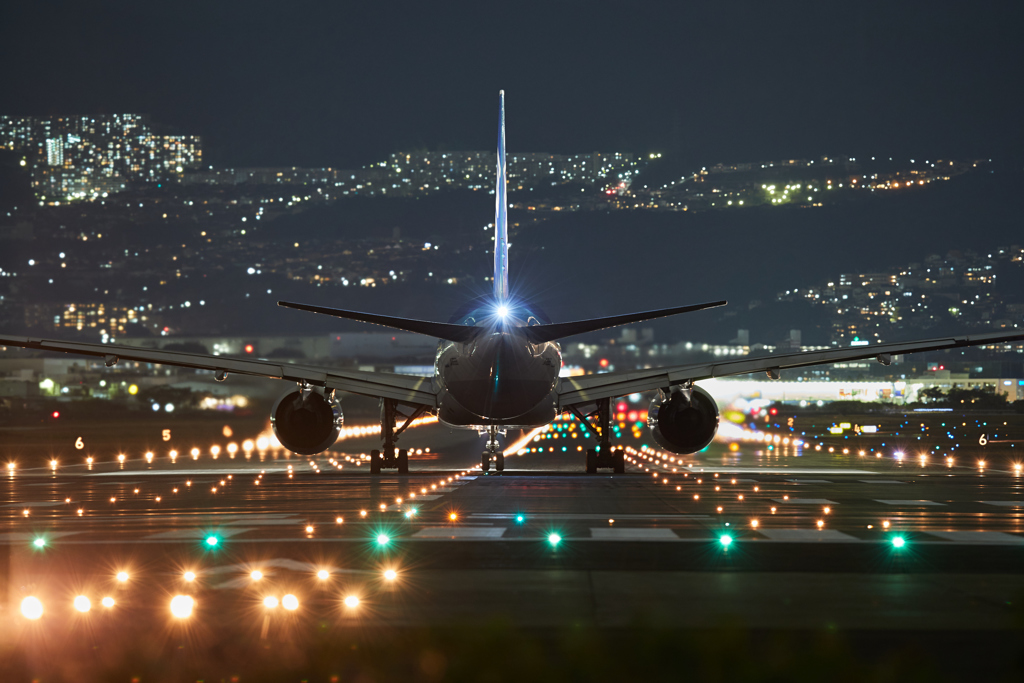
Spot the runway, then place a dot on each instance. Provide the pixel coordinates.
(794, 540)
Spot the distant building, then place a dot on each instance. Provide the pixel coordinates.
(89, 157)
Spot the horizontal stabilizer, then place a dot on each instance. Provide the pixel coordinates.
(544, 333)
(455, 333)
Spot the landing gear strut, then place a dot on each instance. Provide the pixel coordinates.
(387, 457)
(604, 455)
(493, 452)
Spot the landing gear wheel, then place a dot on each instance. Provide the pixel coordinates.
(485, 461)
(374, 461)
(499, 462)
(619, 461)
(591, 461)
(403, 461)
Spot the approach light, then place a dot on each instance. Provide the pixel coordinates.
(351, 601)
(256, 575)
(31, 608)
(107, 602)
(82, 604)
(122, 576)
(725, 540)
(554, 539)
(181, 606)
(323, 574)
(502, 311)
(290, 602)
(898, 542)
(390, 575)
(190, 576)
(270, 602)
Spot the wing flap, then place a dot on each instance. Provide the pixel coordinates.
(377, 384)
(593, 387)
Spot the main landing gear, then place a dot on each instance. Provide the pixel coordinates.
(493, 452)
(604, 455)
(388, 457)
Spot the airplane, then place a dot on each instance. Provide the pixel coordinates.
(497, 368)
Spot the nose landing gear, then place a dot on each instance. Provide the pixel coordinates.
(493, 452)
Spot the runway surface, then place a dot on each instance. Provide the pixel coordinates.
(776, 540)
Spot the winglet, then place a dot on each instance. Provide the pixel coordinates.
(501, 212)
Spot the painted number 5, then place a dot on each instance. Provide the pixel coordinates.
(167, 435)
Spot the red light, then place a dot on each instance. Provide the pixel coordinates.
(621, 407)
(632, 416)
(774, 411)
(56, 414)
(603, 362)
(249, 348)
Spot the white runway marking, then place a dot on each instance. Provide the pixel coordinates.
(28, 536)
(909, 503)
(197, 533)
(457, 533)
(582, 515)
(806, 501)
(188, 472)
(36, 504)
(808, 535)
(810, 481)
(985, 537)
(775, 470)
(1003, 503)
(881, 481)
(635, 534)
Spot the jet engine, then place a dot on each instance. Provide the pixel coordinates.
(306, 422)
(683, 425)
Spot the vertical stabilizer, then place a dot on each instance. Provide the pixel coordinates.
(501, 213)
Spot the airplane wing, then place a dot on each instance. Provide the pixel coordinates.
(577, 390)
(404, 388)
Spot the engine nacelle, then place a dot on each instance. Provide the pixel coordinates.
(306, 423)
(683, 426)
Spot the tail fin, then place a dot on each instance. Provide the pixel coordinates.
(501, 213)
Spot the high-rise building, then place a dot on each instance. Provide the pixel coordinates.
(87, 157)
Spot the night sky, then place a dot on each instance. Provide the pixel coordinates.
(344, 84)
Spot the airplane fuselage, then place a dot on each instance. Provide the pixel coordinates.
(497, 379)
